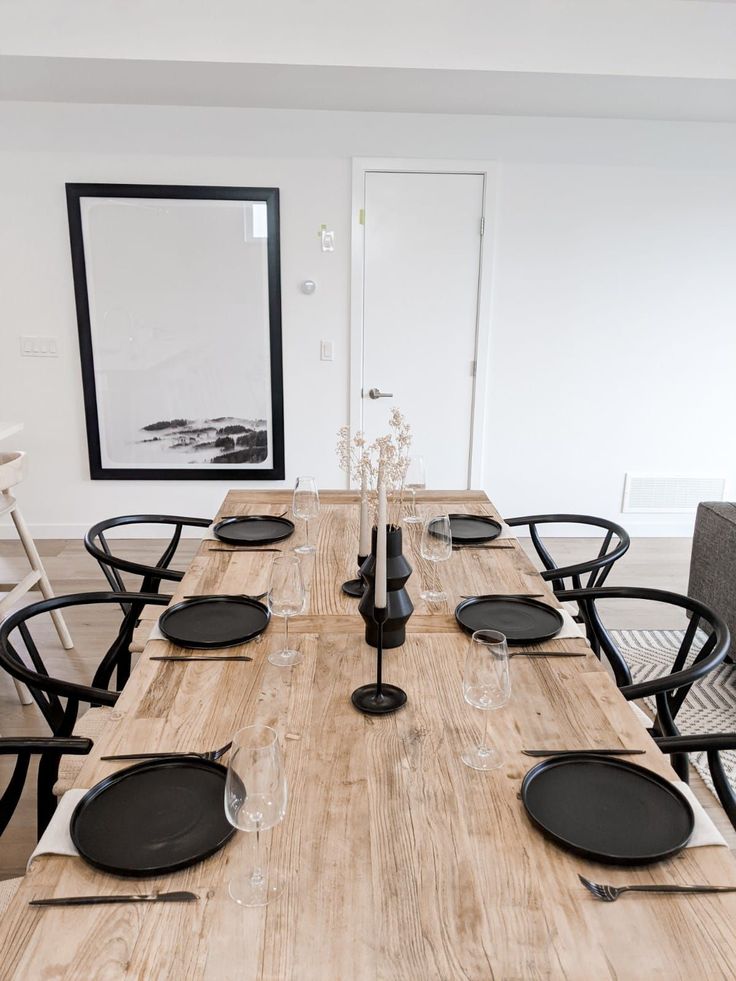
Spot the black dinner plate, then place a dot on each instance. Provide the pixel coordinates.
(253, 529)
(153, 818)
(473, 529)
(521, 620)
(607, 809)
(208, 622)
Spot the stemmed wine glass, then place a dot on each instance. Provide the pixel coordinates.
(305, 506)
(416, 479)
(486, 685)
(255, 800)
(286, 598)
(436, 546)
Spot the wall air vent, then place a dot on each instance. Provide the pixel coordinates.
(645, 493)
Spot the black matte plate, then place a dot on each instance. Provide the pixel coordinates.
(473, 529)
(522, 621)
(253, 529)
(607, 809)
(153, 818)
(209, 622)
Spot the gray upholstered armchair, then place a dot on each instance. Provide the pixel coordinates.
(713, 562)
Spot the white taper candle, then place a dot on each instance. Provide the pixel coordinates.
(364, 545)
(380, 592)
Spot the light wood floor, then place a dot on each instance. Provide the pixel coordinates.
(654, 562)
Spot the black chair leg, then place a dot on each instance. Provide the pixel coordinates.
(48, 774)
(681, 766)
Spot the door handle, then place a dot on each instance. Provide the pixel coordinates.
(376, 393)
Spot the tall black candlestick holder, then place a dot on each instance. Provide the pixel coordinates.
(380, 698)
(399, 606)
(355, 587)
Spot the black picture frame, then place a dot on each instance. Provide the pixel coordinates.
(75, 194)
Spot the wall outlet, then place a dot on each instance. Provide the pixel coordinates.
(38, 347)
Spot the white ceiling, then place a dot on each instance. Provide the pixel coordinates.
(368, 89)
(631, 59)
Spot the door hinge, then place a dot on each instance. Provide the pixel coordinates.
(482, 226)
(361, 216)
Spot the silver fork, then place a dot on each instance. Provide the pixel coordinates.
(256, 596)
(609, 894)
(212, 755)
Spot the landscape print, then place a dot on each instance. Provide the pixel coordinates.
(181, 351)
(223, 440)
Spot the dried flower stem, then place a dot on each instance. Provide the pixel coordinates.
(387, 456)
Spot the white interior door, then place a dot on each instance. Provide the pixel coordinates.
(422, 248)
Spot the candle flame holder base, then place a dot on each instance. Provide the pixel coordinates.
(379, 698)
(370, 700)
(355, 587)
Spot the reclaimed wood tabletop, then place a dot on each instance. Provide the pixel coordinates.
(401, 862)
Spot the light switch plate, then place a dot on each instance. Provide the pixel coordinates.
(38, 347)
(326, 351)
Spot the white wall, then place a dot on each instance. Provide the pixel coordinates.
(612, 333)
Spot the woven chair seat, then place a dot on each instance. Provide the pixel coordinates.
(92, 725)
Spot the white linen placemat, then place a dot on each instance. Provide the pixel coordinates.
(56, 839)
(704, 832)
(156, 632)
(569, 628)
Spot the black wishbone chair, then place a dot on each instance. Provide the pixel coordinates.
(59, 700)
(95, 541)
(615, 543)
(712, 745)
(670, 690)
(49, 749)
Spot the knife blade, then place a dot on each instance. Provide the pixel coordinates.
(583, 752)
(154, 897)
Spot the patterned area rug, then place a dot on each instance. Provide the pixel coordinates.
(710, 706)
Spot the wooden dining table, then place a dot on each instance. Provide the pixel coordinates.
(401, 862)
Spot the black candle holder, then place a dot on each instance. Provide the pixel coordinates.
(399, 606)
(355, 587)
(379, 698)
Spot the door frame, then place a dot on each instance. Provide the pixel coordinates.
(488, 171)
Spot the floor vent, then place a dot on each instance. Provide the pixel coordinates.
(649, 493)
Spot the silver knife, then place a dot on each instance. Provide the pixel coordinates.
(153, 897)
(243, 548)
(201, 657)
(583, 752)
(149, 756)
(501, 595)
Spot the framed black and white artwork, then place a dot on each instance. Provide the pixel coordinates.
(178, 300)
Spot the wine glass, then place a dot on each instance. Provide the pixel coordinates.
(305, 506)
(436, 546)
(255, 800)
(486, 685)
(286, 598)
(416, 479)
